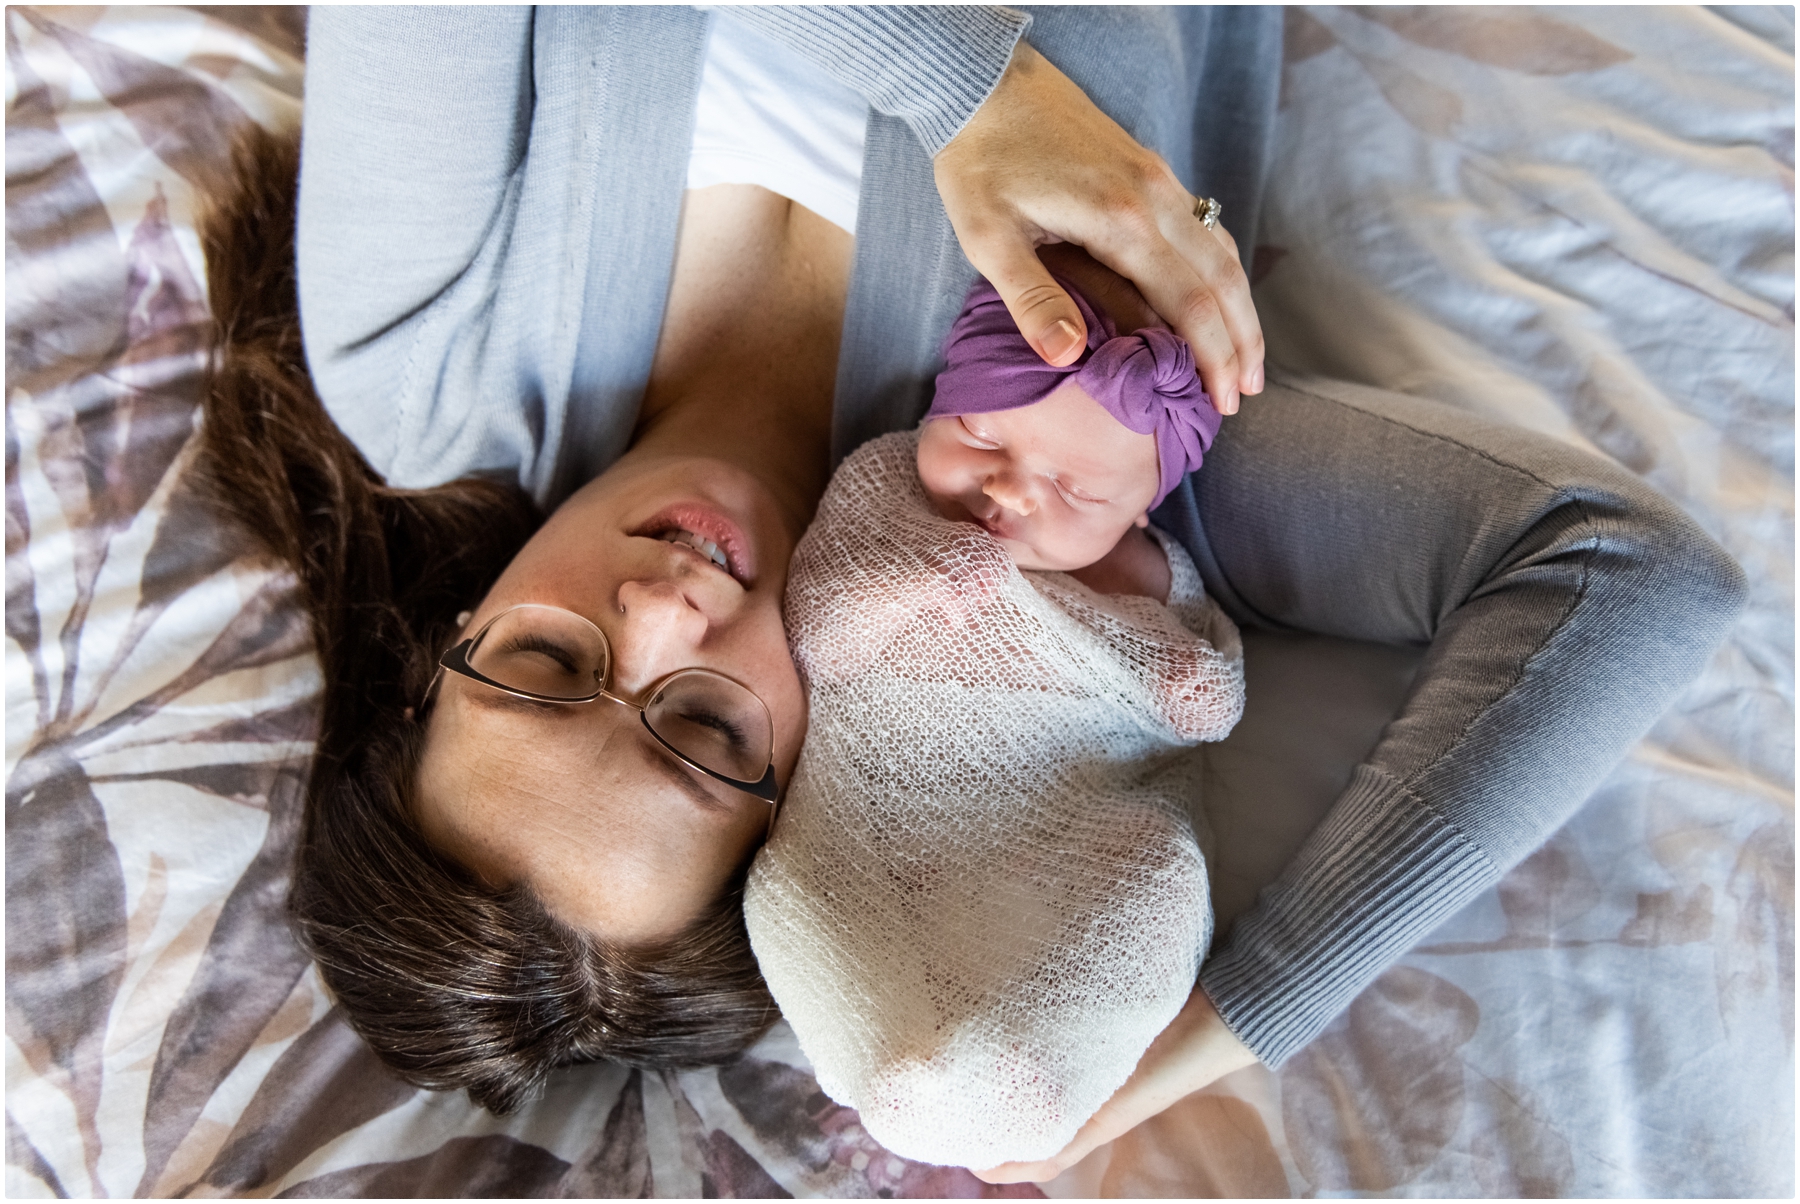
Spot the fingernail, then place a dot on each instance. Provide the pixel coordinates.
(1256, 380)
(1228, 404)
(1062, 343)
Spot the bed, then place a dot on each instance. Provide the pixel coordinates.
(1578, 220)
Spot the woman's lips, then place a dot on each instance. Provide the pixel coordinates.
(711, 525)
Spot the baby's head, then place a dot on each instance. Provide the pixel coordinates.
(1059, 463)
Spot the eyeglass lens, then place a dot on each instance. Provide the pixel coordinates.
(542, 650)
(710, 719)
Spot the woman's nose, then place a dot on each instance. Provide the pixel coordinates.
(659, 632)
(1010, 492)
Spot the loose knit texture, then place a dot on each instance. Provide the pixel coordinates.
(984, 896)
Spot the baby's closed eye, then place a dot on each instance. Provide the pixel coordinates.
(1076, 495)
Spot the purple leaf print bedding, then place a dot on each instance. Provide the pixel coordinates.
(1614, 1019)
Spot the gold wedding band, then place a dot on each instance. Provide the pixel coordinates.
(1208, 211)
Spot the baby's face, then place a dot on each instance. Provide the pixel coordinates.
(1058, 483)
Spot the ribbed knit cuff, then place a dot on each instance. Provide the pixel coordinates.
(1380, 873)
(931, 66)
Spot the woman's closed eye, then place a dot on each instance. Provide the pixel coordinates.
(694, 723)
(531, 644)
(538, 664)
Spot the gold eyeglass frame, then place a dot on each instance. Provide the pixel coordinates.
(456, 660)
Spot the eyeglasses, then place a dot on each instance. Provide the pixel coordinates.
(704, 719)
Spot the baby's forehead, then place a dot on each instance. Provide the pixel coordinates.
(1073, 433)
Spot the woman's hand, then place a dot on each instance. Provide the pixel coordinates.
(1195, 1050)
(1039, 163)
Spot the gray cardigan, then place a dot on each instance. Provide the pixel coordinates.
(488, 210)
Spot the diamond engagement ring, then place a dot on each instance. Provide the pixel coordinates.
(1207, 210)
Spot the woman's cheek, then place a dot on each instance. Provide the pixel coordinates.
(786, 699)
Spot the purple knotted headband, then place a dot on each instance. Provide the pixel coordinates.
(1145, 380)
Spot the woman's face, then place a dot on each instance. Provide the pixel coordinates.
(615, 836)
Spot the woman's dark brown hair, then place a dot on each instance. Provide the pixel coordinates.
(454, 984)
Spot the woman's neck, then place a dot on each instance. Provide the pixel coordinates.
(746, 363)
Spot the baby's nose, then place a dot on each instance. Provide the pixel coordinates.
(1010, 492)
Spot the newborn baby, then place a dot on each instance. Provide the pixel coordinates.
(984, 896)
(1063, 465)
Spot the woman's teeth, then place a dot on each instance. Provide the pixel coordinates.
(705, 547)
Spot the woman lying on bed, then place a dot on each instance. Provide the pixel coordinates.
(510, 303)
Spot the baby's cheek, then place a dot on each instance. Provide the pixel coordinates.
(1080, 542)
(937, 474)
(944, 504)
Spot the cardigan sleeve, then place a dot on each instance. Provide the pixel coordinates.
(1562, 604)
(931, 66)
(416, 122)
(489, 203)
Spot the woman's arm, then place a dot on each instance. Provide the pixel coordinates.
(415, 125)
(932, 66)
(1023, 158)
(488, 207)
(1563, 603)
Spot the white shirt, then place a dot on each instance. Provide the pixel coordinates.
(768, 117)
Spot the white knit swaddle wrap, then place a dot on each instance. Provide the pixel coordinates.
(984, 897)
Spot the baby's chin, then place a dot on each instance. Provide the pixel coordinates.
(1060, 560)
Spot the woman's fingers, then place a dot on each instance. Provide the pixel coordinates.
(1180, 292)
(1214, 256)
(1040, 163)
(1195, 1050)
(1149, 1091)
(1192, 277)
(1094, 1134)
(1224, 236)
(1253, 350)
(1045, 314)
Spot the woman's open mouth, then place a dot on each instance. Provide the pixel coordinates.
(707, 533)
(699, 543)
